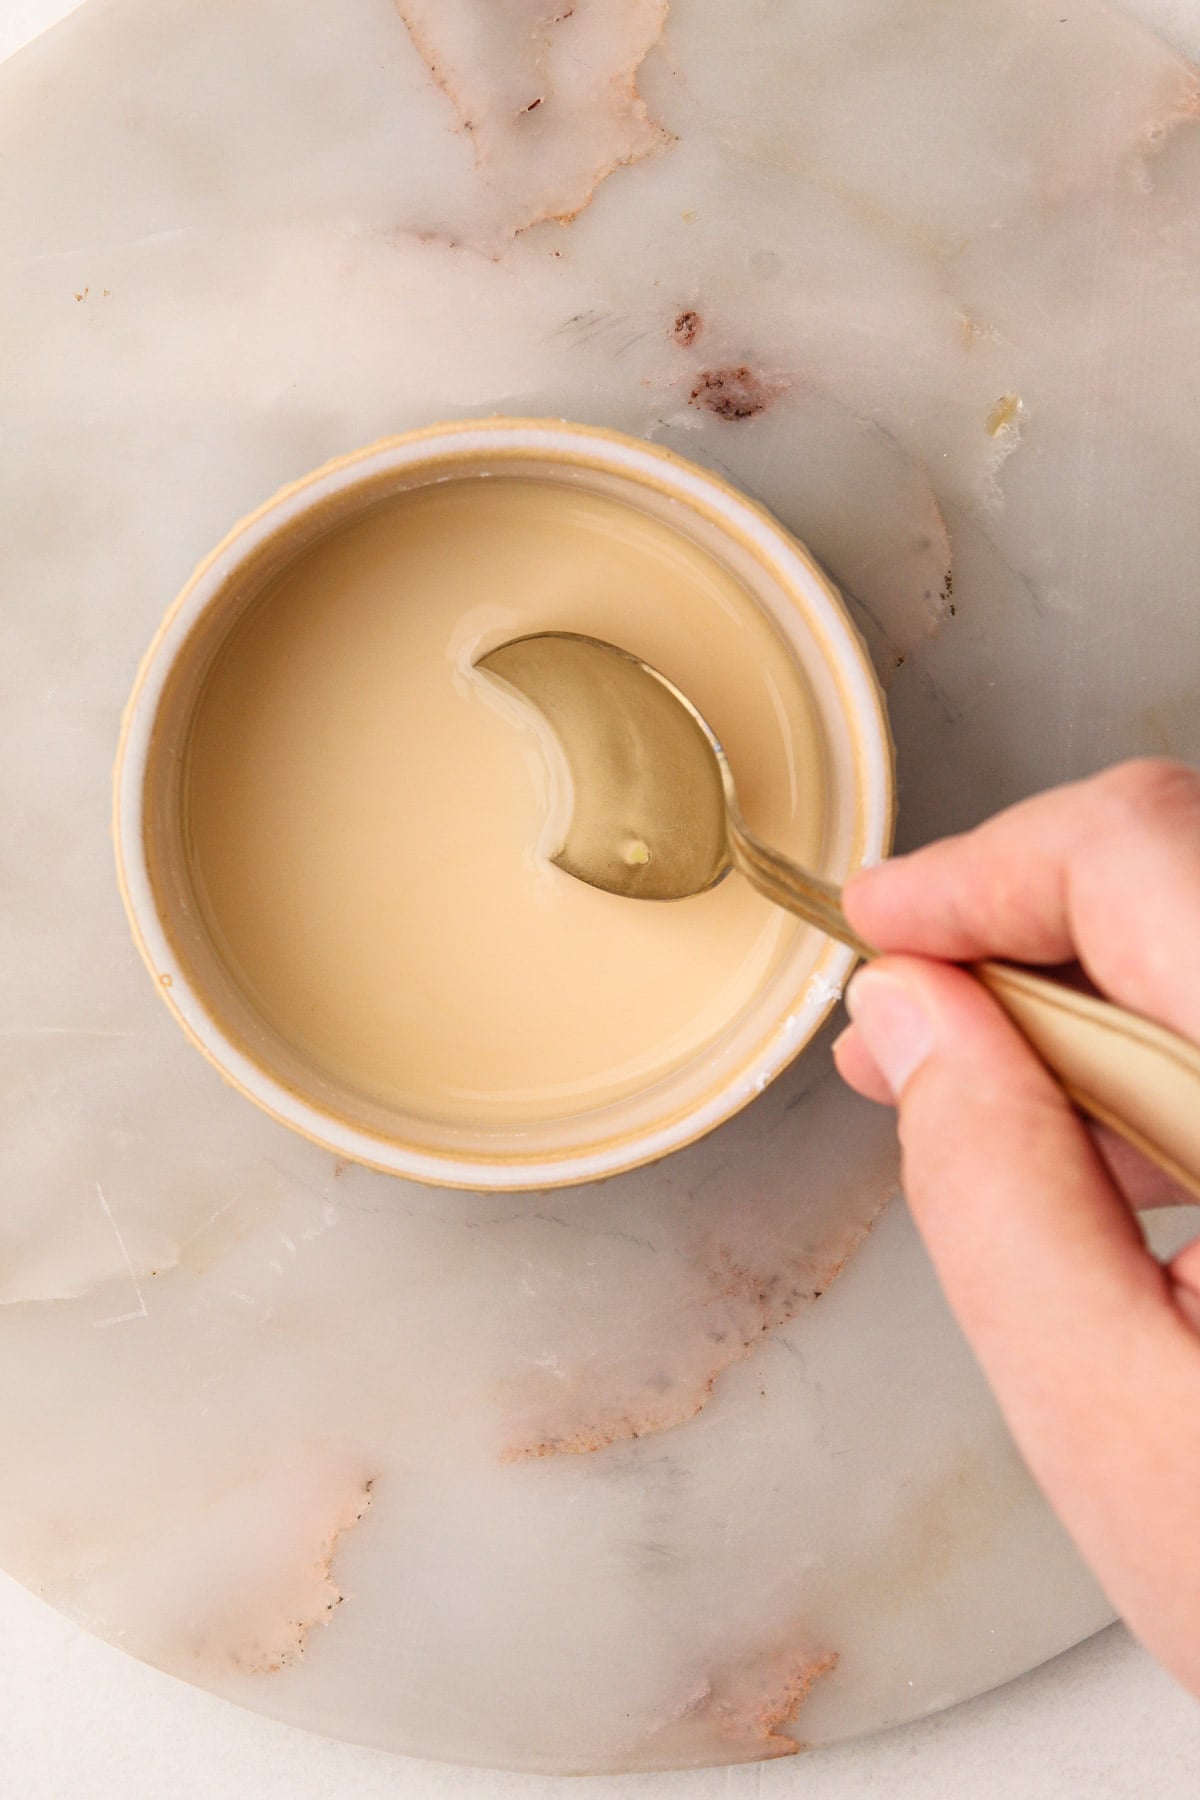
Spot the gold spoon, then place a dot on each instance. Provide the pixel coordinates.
(655, 816)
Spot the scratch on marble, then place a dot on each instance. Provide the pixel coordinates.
(592, 1230)
(203, 1226)
(590, 327)
(210, 1241)
(74, 252)
(196, 1253)
(142, 1312)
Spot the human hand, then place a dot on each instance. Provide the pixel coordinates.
(1092, 1348)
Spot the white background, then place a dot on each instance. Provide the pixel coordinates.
(80, 1721)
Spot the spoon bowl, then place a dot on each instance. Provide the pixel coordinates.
(654, 811)
(647, 814)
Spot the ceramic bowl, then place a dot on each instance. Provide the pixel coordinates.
(782, 579)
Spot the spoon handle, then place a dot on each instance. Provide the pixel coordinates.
(1137, 1078)
(788, 885)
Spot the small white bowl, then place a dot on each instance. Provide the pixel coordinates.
(780, 576)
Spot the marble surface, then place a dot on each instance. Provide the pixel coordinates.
(77, 1718)
(624, 1478)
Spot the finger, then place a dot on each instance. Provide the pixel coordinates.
(1107, 870)
(1072, 1319)
(858, 1068)
(1184, 1275)
(1142, 1182)
(990, 1140)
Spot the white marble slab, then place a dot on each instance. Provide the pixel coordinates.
(595, 1481)
(77, 1718)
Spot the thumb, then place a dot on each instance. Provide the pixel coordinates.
(1073, 1320)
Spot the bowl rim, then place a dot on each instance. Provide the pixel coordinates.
(567, 444)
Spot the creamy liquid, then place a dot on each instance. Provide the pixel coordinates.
(364, 809)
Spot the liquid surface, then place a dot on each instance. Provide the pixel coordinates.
(367, 813)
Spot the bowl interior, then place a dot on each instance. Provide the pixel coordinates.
(791, 999)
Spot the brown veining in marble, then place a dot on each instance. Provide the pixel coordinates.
(732, 393)
(740, 1299)
(742, 1711)
(318, 1597)
(687, 328)
(548, 94)
(228, 1587)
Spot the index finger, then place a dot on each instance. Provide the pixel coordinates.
(1106, 870)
